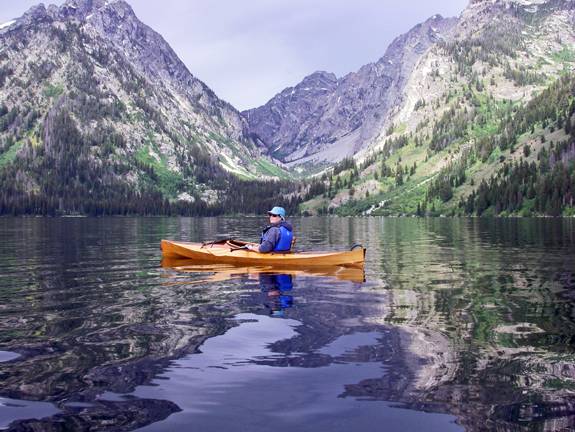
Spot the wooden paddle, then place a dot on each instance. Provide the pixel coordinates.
(214, 242)
(232, 249)
(235, 247)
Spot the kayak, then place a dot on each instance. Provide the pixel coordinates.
(234, 252)
(231, 252)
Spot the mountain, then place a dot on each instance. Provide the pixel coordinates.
(483, 126)
(471, 115)
(326, 119)
(97, 111)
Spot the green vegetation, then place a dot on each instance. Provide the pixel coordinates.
(496, 42)
(490, 114)
(9, 155)
(265, 167)
(565, 55)
(68, 178)
(560, 384)
(485, 157)
(53, 90)
(169, 182)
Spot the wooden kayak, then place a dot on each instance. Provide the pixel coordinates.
(231, 252)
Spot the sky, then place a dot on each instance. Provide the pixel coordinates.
(248, 51)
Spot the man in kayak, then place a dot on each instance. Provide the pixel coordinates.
(277, 236)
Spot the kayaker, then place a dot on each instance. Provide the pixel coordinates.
(277, 236)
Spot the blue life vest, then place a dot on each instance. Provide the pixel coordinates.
(284, 243)
(286, 237)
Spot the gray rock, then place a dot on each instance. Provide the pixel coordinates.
(326, 119)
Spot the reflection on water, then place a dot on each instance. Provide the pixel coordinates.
(239, 373)
(276, 289)
(11, 410)
(227, 271)
(459, 324)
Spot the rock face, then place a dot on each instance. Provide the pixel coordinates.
(95, 101)
(508, 49)
(324, 120)
(327, 119)
(116, 23)
(289, 117)
(496, 82)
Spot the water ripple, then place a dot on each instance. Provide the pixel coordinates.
(467, 317)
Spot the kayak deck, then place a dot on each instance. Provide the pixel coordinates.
(228, 253)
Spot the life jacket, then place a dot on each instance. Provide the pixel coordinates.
(284, 243)
(286, 237)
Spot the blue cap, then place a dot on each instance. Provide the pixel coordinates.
(280, 211)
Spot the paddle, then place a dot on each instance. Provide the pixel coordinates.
(220, 241)
(230, 241)
(239, 248)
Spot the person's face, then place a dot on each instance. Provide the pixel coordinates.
(274, 218)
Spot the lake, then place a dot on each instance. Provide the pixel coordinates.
(457, 324)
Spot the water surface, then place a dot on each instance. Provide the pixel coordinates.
(461, 324)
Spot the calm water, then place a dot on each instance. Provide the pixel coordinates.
(459, 325)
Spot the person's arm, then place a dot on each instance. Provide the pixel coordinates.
(269, 242)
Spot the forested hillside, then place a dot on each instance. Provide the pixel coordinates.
(466, 116)
(99, 116)
(487, 129)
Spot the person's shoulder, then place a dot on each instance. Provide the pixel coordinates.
(272, 230)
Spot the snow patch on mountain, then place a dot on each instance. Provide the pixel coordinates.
(7, 24)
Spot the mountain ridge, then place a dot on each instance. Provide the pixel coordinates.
(352, 112)
(455, 130)
(95, 103)
(140, 121)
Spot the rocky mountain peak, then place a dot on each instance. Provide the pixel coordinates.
(116, 22)
(418, 38)
(319, 76)
(280, 119)
(35, 14)
(86, 7)
(520, 2)
(90, 76)
(114, 18)
(77, 9)
(313, 84)
(531, 6)
(326, 119)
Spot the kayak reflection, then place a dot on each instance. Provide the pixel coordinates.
(276, 289)
(222, 272)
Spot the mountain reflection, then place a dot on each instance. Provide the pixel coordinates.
(485, 315)
(468, 319)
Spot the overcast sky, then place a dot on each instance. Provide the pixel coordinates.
(247, 51)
